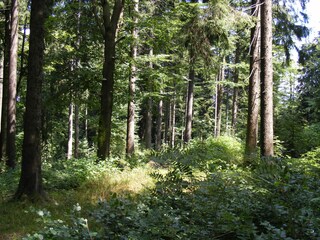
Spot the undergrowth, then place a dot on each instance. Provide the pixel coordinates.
(204, 191)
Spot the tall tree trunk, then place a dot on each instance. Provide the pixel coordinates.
(266, 80)
(254, 85)
(159, 124)
(189, 113)
(70, 132)
(167, 121)
(148, 130)
(1, 86)
(173, 120)
(76, 132)
(30, 180)
(4, 114)
(12, 86)
(132, 82)
(109, 30)
(22, 69)
(235, 92)
(219, 95)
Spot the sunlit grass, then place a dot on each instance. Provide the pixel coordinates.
(19, 218)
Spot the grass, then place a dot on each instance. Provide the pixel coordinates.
(19, 218)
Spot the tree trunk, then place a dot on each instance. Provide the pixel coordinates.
(235, 93)
(70, 132)
(266, 80)
(167, 121)
(132, 82)
(219, 95)
(254, 85)
(1, 86)
(173, 121)
(12, 86)
(4, 114)
(189, 113)
(30, 179)
(159, 124)
(109, 33)
(148, 130)
(76, 132)
(22, 69)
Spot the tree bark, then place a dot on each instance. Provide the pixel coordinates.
(12, 86)
(254, 85)
(173, 121)
(266, 80)
(30, 180)
(159, 124)
(3, 135)
(132, 82)
(1, 86)
(109, 30)
(148, 130)
(76, 132)
(189, 113)
(70, 132)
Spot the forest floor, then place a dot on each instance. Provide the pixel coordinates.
(203, 191)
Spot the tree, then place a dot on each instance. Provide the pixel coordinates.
(31, 177)
(254, 83)
(132, 81)
(12, 86)
(4, 113)
(266, 142)
(109, 31)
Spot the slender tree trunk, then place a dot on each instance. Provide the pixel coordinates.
(254, 85)
(219, 96)
(189, 113)
(76, 132)
(109, 33)
(12, 86)
(70, 132)
(167, 121)
(1, 86)
(30, 179)
(173, 121)
(4, 114)
(148, 130)
(159, 124)
(22, 69)
(132, 82)
(235, 92)
(266, 80)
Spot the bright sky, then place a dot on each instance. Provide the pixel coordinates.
(313, 7)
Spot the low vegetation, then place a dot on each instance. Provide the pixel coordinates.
(203, 191)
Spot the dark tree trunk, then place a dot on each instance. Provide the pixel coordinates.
(266, 80)
(132, 82)
(235, 93)
(1, 86)
(219, 95)
(4, 114)
(148, 130)
(254, 85)
(31, 180)
(189, 113)
(12, 86)
(22, 56)
(109, 33)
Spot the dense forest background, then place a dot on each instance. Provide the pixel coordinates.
(153, 119)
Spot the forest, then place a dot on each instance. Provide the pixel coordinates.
(159, 119)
